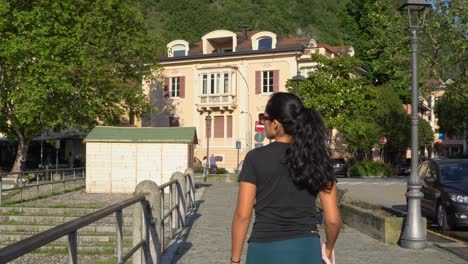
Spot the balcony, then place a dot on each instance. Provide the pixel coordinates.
(217, 102)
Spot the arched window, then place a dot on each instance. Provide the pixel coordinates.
(178, 50)
(265, 43)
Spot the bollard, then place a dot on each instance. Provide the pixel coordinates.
(144, 216)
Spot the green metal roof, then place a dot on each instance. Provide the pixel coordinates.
(143, 134)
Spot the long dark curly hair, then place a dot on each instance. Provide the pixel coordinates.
(308, 157)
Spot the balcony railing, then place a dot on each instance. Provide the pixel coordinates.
(217, 101)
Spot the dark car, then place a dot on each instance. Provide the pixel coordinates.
(339, 166)
(445, 190)
(405, 167)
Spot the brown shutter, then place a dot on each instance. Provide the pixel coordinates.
(258, 82)
(276, 81)
(166, 87)
(229, 126)
(182, 87)
(218, 127)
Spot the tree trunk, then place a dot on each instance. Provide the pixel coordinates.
(21, 153)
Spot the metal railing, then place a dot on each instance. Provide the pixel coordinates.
(38, 178)
(145, 218)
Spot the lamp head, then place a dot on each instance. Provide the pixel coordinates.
(416, 11)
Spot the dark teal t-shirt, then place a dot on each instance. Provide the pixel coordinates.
(282, 211)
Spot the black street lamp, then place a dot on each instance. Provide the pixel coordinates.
(208, 135)
(414, 234)
(297, 79)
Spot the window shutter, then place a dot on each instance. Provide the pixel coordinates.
(182, 87)
(229, 126)
(258, 82)
(276, 81)
(166, 87)
(219, 126)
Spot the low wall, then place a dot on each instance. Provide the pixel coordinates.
(221, 178)
(386, 229)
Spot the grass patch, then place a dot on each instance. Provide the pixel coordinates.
(9, 202)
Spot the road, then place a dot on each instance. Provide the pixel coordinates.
(390, 193)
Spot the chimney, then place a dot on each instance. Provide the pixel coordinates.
(245, 32)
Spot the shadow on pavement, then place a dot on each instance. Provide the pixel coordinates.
(183, 245)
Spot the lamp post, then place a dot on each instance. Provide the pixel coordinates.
(297, 79)
(208, 135)
(414, 235)
(249, 129)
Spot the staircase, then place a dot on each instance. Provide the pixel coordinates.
(17, 223)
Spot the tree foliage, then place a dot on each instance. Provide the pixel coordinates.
(343, 100)
(191, 19)
(452, 111)
(70, 63)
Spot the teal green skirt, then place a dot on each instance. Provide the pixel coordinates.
(291, 251)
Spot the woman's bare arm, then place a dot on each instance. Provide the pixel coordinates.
(241, 219)
(332, 218)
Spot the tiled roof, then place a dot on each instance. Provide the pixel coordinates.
(245, 44)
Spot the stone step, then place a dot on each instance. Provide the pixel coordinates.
(54, 211)
(95, 248)
(12, 237)
(94, 228)
(56, 220)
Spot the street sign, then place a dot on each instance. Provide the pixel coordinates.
(238, 144)
(382, 140)
(259, 137)
(257, 145)
(259, 127)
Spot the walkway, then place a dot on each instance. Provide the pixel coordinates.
(208, 239)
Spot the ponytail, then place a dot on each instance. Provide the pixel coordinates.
(308, 156)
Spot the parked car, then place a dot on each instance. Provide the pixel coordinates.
(340, 166)
(405, 167)
(445, 190)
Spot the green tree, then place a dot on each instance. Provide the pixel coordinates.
(378, 33)
(452, 111)
(343, 100)
(425, 136)
(70, 64)
(395, 123)
(444, 41)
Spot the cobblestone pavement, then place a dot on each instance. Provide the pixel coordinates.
(208, 239)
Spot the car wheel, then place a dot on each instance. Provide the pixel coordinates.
(442, 218)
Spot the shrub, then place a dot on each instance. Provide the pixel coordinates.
(358, 169)
(370, 168)
(198, 170)
(221, 171)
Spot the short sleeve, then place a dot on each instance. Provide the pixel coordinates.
(248, 173)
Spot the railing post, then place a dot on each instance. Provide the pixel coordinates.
(1, 189)
(161, 220)
(119, 228)
(171, 223)
(72, 248)
(151, 190)
(181, 190)
(175, 198)
(191, 186)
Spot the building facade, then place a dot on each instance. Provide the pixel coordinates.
(227, 77)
